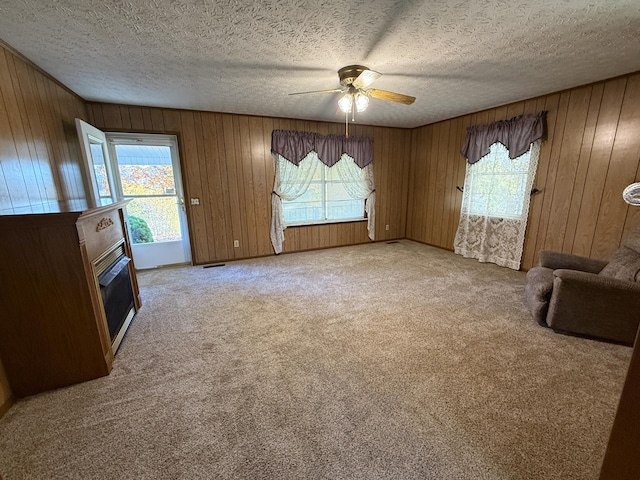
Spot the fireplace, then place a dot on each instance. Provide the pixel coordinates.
(53, 321)
(114, 279)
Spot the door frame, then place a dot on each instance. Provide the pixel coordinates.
(156, 139)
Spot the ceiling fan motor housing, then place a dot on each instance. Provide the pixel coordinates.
(349, 74)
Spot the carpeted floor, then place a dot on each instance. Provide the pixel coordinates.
(390, 361)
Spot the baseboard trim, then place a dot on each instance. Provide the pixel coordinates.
(4, 408)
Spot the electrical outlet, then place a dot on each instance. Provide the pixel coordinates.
(236, 243)
(387, 227)
(195, 201)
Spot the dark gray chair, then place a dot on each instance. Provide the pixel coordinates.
(587, 297)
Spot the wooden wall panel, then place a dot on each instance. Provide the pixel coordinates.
(591, 153)
(529, 256)
(227, 164)
(6, 397)
(625, 157)
(550, 150)
(583, 167)
(567, 162)
(40, 159)
(600, 155)
(621, 460)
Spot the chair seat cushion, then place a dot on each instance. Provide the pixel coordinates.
(624, 265)
(538, 292)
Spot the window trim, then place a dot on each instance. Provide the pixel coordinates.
(523, 199)
(326, 221)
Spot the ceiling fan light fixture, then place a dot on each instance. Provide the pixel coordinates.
(362, 102)
(345, 103)
(631, 194)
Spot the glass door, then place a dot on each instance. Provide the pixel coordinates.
(148, 173)
(93, 143)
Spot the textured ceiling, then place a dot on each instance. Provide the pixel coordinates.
(244, 56)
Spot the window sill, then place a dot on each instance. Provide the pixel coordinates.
(497, 217)
(325, 222)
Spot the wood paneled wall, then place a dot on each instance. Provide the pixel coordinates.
(227, 164)
(6, 399)
(591, 153)
(40, 160)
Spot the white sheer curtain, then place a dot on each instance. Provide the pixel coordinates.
(358, 182)
(495, 206)
(291, 181)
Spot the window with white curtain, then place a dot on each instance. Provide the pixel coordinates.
(502, 158)
(327, 198)
(495, 206)
(320, 179)
(497, 184)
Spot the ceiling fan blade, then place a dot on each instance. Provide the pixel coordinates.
(318, 91)
(394, 97)
(366, 78)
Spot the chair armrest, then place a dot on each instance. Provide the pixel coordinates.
(594, 305)
(589, 281)
(555, 260)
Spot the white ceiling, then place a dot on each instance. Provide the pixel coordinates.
(244, 56)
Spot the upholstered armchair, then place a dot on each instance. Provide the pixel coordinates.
(588, 297)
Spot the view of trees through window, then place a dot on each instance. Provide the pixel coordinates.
(154, 204)
(101, 180)
(146, 177)
(100, 170)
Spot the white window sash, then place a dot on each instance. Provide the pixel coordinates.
(293, 181)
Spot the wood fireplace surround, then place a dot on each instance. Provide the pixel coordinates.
(54, 329)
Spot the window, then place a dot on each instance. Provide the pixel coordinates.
(101, 174)
(326, 200)
(146, 176)
(495, 206)
(498, 185)
(306, 191)
(496, 196)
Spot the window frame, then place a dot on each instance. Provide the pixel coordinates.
(493, 175)
(324, 182)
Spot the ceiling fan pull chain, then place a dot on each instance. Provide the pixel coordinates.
(346, 124)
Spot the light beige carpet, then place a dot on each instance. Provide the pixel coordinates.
(384, 360)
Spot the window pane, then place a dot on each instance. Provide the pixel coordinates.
(159, 214)
(340, 205)
(324, 200)
(307, 207)
(145, 170)
(498, 184)
(340, 210)
(100, 170)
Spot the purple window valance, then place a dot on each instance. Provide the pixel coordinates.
(294, 146)
(516, 134)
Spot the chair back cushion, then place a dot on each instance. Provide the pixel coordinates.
(624, 265)
(633, 240)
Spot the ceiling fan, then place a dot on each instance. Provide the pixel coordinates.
(355, 81)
